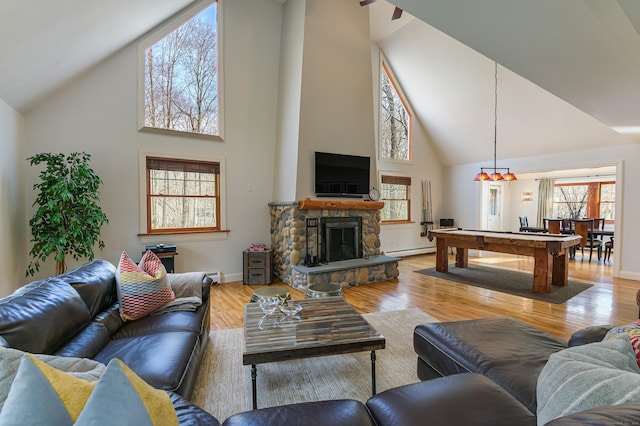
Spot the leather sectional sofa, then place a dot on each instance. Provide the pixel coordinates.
(76, 315)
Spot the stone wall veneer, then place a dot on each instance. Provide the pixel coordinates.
(289, 240)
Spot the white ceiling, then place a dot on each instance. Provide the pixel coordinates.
(585, 52)
(44, 43)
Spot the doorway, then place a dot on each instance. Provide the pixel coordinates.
(493, 202)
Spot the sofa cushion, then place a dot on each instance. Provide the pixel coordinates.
(345, 412)
(41, 316)
(170, 321)
(86, 343)
(508, 351)
(142, 288)
(132, 400)
(462, 399)
(95, 282)
(586, 377)
(160, 359)
(59, 397)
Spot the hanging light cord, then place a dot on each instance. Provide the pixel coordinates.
(495, 119)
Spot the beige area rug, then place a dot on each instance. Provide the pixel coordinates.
(224, 384)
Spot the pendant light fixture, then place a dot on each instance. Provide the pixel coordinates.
(495, 174)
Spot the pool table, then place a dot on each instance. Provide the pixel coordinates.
(548, 250)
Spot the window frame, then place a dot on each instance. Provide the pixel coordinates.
(397, 179)
(385, 68)
(145, 211)
(158, 34)
(593, 202)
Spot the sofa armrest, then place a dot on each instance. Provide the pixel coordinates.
(589, 335)
(206, 287)
(190, 414)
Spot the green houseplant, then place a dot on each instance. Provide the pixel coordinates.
(68, 218)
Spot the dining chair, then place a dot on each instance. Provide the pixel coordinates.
(554, 226)
(584, 228)
(524, 222)
(608, 248)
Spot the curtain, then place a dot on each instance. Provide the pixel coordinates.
(545, 200)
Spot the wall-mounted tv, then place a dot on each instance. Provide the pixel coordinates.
(340, 175)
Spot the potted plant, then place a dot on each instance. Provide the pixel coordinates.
(68, 218)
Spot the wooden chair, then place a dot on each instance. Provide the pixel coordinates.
(608, 248)
(584, 228)
(554, 226)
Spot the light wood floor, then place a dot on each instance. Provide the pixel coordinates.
(609, 301)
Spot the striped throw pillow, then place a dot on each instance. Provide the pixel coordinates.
(142, 288)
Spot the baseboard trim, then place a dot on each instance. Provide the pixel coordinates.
(630, 275)
(411, 252)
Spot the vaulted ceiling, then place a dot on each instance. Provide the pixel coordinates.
(44, 44)
(568, 73)
(568, 69)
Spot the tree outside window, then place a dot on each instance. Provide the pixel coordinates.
(395, 191)
(585, 199)
(395, 120)
(182, 195)
(181, 78)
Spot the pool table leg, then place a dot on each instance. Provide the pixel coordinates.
(542, 270)
(560, 270)
(442, 260)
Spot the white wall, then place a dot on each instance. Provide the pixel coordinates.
(463, 193)
(289, 93)
(97, 113)
(12, 218)
(335, 106)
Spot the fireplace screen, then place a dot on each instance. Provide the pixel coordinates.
(341, 238)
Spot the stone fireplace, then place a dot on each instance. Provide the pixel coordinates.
(316, 241)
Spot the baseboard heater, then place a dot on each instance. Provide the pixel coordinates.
(215, 276)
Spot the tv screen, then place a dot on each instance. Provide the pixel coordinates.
(340, 175)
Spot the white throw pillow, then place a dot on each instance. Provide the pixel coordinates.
(589, 376)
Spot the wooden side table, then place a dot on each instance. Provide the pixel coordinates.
(257, 266)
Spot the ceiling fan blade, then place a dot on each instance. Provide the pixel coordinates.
(366, 2)
(397, 13)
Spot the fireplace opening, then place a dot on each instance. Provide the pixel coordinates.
(341, 238)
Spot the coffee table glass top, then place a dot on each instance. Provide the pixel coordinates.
(324, 326)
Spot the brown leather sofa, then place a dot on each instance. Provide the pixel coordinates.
(76, 315)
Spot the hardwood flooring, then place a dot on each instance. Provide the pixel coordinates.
(609, 301)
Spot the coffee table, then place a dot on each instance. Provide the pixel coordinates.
(325, 326)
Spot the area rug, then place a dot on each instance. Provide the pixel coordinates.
(506, 281)
(223, 386)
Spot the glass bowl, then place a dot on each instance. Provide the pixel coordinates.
(269, 304)
(290, 309)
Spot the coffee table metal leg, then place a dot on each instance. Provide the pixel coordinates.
(254, 390)
(373, 372)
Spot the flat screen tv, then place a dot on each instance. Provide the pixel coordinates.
(340, 175)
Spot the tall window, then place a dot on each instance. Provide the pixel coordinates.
(585, 199)
(181, 78)
(182, 195)
(395, 191)
(395, 120)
